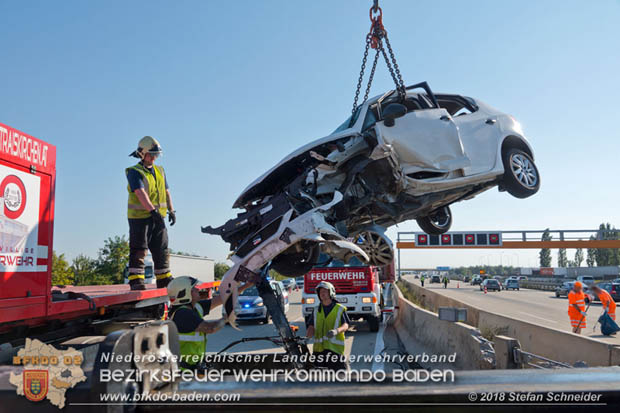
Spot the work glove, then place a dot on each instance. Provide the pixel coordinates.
(158, 220)
(172, 217)
(583, 313)
(332, 333)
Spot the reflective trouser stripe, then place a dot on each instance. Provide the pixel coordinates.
(132, 277)
(194, 337)
(575, 323)
(162, 276)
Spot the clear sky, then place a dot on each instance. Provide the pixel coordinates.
(231, 87)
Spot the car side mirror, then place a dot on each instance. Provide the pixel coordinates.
(393, 111)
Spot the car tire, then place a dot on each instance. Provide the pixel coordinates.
(436, 223)
(521, 178)
(294, 263)
(373, 323)
(376, 245)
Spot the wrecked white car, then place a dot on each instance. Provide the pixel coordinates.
(395, 159)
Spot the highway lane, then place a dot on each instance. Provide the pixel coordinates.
(534, 306)
(358, 340)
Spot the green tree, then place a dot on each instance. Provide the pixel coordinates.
(591, 258)
(562, 260)
(608, 256)
(85, 270)
(545, 253)
(61, 272)
(578, 257)
(113, 258)
(220, 269)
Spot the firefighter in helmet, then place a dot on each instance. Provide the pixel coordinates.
(187, 311)
(149, 203)
(327, 324)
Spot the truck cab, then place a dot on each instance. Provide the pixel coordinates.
(358, 287)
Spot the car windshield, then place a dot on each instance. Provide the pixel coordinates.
(250, 292)
(350, 121)
(324, 261)
(491, 281)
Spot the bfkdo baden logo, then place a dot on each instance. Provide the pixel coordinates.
(13, 192)
(36, 384)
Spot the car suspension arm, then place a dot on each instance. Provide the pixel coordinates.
(289, 341)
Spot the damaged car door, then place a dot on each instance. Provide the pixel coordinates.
(425, 139)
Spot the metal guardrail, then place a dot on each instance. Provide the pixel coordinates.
(545, 285)
(536, 361)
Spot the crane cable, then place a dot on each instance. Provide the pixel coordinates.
(374, 40)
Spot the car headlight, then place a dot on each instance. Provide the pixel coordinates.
(260, 304)
(366, 300)
(309, 300)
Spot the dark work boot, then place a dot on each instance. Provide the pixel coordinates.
(163, 282)
(137, 284)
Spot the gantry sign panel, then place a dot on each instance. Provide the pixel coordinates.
(459, 239)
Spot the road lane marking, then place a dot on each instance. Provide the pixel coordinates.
(545, 319)
(379, 346)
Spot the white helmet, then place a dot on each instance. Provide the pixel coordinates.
(180, 290)
(146, 145)
(328, 286)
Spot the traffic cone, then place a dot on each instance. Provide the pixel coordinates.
(485, 289)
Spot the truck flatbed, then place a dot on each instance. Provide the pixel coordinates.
(69, 302)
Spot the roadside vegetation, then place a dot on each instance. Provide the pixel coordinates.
(107, 268)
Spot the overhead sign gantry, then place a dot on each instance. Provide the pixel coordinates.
(530, 239)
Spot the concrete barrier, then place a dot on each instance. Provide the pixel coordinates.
(563, 346)
(419, 328)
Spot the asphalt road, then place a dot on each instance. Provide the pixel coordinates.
(534, 306)
(359, 340)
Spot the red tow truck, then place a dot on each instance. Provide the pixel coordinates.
(358, 287)
(30, 306)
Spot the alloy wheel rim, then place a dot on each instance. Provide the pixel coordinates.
(523, 170)
(441, 220)
(378, 250)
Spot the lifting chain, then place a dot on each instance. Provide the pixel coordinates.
(374, 39)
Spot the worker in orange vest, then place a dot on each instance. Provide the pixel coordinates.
(607, 302)
(577, 307)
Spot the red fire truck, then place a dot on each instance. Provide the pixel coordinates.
(30, 306)
(358, 287)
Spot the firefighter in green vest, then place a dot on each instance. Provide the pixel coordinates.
(188, 309)
(149, 203)
(327, 324)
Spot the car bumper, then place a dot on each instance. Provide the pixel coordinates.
(251, 313)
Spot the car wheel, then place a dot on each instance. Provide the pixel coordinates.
(437, 223)
(377, 245)
(297, 263)
(373, 323)
(521, 178)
